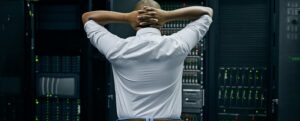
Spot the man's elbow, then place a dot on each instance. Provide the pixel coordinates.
(85, 17)
(210, 11)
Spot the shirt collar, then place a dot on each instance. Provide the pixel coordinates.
(148, 30)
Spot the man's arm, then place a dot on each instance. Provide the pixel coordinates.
(187, 13)
(193, 32)
(99, 36)
(104, 17)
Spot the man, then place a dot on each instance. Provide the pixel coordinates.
(148, 67)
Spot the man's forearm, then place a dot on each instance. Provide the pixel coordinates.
(193, 12)
(105, 17)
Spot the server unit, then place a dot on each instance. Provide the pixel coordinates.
(57, 88)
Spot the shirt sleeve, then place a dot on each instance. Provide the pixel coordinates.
(100, 37)
(193, 32)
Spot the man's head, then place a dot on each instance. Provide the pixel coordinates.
(140, 6)
(150, 3)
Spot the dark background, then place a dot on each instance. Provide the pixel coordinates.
(46, 37)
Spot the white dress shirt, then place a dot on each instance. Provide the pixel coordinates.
(148, 67)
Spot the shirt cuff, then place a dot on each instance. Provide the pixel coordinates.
(91, 26)
(205, 19)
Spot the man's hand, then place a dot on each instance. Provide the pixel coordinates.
(133, 20)
(154, 17)
(142, 18)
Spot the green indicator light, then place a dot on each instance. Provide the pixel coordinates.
(295, 58)
(78, 109)
(256, 77)
(36, 101)
(36, 118)
(49, 95)
(36, 58)
(225, 75)
(31, 13)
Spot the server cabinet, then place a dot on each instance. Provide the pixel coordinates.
(96, 75)
(288, 60)
(13, 80)
(193, 79)
(55, 44)
(240, 64)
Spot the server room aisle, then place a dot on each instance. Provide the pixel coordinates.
(246, 68)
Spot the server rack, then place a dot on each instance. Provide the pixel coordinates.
(193, 89)
(240, 60)
(288, 36)
(55, 47)
(234, 73)
(96, 75)
(13, 79)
